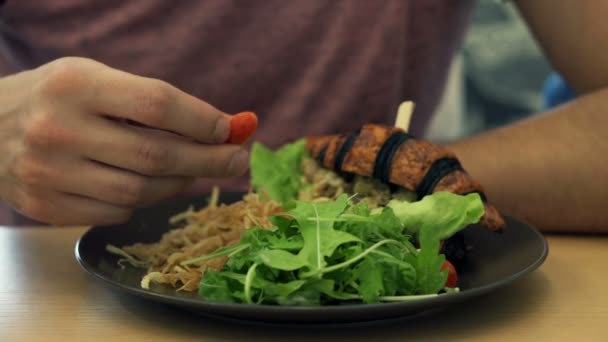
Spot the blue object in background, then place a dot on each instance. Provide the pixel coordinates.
(556, 91)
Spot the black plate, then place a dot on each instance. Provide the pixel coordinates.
(495, 260)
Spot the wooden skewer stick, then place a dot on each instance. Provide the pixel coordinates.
(404, 115)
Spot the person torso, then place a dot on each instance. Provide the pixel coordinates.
(307, 66)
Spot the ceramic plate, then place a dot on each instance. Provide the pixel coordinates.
(496, 259)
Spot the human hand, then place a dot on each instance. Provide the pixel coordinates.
(69, 157)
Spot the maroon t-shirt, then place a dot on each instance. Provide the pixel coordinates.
(305, 66)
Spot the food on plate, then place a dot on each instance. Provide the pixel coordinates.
(363, 218)
(198, 233)
(392, 156)
(452, 280)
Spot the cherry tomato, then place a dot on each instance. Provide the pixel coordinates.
(452, 276)
(242, 126)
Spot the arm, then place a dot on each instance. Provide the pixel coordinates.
(551, 170)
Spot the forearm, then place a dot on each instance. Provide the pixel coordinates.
(550, 170)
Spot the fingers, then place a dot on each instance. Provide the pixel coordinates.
(93, 87)
(157, 104)
(65, 209)
(155, 153)
(96, 181)
(67, 163)
(77, 95)
(118, 187)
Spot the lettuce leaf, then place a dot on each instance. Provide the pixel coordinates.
(277, 174)
(441, 214)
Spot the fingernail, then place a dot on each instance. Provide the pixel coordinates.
(239, 163)
(222, 129)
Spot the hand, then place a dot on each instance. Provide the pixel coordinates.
(68, 157)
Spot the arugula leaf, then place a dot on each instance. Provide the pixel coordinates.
(370, 276)
(428, 266)
(281, 260)
(277, 174)
(327, 287)
(284, 224)
(305, 295)
(293, 243)
(315, 292)
(256, 237)
(320, 237)
(389, 224)
(399, 277)
(336, 251)
(372, 226)
(280, 291)
(381, 274)
(215, 288)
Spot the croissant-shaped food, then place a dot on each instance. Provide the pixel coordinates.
(392, 156)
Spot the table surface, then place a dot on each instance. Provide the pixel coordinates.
(46, 296)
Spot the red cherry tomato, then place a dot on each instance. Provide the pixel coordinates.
(452, 276)
(242, 126)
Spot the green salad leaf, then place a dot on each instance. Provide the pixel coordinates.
(216, 287)
(442, 213)
(339, 251)
(277, 173)
(370, 274)
(281, 259)
(435, 218)
(316, 226)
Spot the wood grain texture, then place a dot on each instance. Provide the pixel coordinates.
(45, 296)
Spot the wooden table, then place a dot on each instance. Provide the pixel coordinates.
(45, 296)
